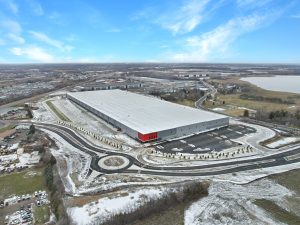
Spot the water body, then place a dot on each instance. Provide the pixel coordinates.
(276, 83)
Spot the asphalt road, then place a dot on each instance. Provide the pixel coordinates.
(213, 91)
(242, 165)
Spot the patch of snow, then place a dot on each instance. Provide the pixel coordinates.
(76, 160)
(229, 203)
(126, 139)
(83, 118)
(283, 141)
(22, 127)
(43, 113)
(28, 159)
(102, 209)
(10, 157)
(159, 159)
(14, 146)
(218, 109)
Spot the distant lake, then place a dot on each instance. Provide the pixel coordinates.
(276, 83)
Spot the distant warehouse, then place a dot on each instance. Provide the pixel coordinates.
(147, 118)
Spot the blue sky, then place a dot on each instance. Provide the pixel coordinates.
(263, 31)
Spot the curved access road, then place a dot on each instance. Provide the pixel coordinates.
(83, 145)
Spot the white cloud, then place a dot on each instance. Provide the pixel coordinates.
(34, 53)
(181, 19)
(184, 19)
(12, 26)
(252, 3)
(54, 15)
(16, 38)
(10, 5)
(44, 38)
(17, 51)
(13, 6)
(215, 44)
(36, 7)
(50, 41)
(58, 18)
(12, 31)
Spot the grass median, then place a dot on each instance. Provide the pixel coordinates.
(60, 114)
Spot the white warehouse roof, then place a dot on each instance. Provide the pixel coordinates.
(144, 114)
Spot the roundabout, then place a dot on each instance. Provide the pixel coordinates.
(113, 162)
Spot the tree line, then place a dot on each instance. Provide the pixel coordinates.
(186, 193)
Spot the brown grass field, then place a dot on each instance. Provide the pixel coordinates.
(232, 100)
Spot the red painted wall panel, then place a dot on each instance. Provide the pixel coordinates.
(147, 137)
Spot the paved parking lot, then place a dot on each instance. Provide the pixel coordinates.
(212, 141)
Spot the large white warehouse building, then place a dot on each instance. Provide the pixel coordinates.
(147, 118)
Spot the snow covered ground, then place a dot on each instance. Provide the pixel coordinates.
(218, 109)
(27, 159)
(244, 177)
(109, 182)
(126, 139)
(283, 141)
(102, 209)
(90, 122)
(43, 113)
(156, 159)
(20, 159)
(229, 203)
(69, 160)
(83, 118)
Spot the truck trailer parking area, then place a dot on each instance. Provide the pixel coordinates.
(216, 140)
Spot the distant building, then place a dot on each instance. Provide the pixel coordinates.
(102, 85)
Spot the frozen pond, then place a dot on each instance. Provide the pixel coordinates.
(276, 83)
